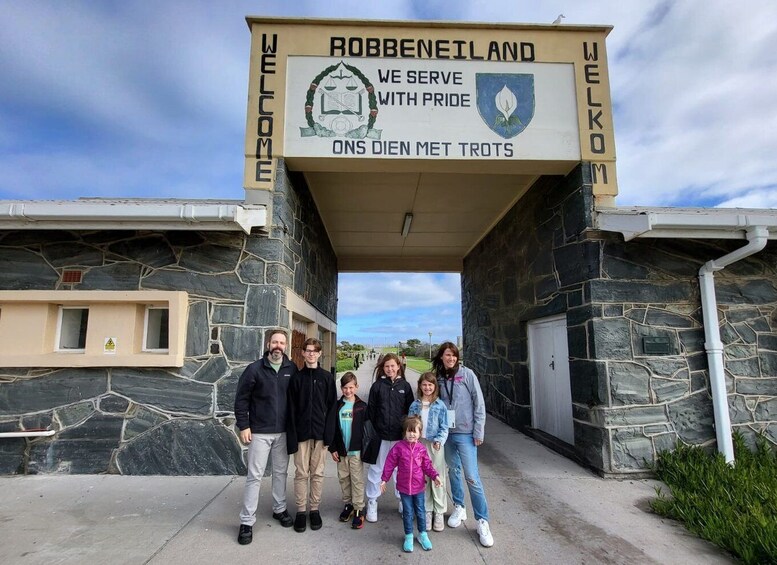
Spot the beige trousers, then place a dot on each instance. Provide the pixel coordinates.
(351, 474)
(309, 461)
(436, 499)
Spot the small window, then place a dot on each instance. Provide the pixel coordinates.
(157, 329)
(72, 329)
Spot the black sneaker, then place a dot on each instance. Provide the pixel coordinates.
(300, 522)
(358, 520)
(345, 515)
(315, 520)
(246, 535)
(284, 518)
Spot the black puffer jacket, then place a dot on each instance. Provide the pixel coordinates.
(388, 405)
(311, 394)
(260, 400)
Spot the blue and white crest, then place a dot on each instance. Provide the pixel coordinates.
(505, 101)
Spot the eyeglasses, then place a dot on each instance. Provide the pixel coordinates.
(311, 351)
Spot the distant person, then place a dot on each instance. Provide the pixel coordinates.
(260, 415)
(312, 393)
(411, 461)
(460, 391)
(434, 417)
(343, 435)
(390, 399)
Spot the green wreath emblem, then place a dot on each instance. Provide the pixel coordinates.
(321, 131)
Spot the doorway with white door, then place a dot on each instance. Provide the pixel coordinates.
(551, 392)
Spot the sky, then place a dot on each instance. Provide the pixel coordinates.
(134, 98)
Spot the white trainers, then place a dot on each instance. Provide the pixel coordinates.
(439, 522)
(400, 506)
(428, 521)
(484, 532)
(372, 510)
(458, 515)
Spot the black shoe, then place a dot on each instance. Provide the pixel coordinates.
(246, 535)
(315, 520)
(345, 515)
(300, 522)
(358, 520)
(283, 518)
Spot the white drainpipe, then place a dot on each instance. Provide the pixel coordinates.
(756, 237)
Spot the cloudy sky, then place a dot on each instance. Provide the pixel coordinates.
(136, 98)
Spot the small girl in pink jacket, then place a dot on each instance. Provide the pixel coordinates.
(412, 461)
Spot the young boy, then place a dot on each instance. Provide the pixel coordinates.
(344, 433)
(312, 393)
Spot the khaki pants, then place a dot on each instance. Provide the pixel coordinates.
(351, 474)
(309, 461)
(436, 499)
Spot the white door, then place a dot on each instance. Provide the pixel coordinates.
(551, 394)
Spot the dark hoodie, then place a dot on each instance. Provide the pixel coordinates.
(311, 394)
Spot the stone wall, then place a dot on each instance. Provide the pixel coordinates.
(543, 258)
(160, 421)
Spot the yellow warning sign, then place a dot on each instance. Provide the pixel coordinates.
(109, 347)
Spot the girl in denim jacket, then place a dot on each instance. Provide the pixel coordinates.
(434, 415)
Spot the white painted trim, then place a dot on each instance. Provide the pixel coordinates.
(295, 304)
(43, 433)
(131, 214)
(691, 223)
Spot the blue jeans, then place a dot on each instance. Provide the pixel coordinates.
(461, 454)
(413, 503)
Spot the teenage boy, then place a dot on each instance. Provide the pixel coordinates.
(312, 393)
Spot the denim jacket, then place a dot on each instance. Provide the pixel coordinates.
(437, 421)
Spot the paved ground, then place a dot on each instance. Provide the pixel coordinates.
(544, 509)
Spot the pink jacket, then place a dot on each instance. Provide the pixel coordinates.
(412, 463)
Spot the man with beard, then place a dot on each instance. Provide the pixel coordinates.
(260, 414)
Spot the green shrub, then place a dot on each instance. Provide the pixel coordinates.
(735, 507)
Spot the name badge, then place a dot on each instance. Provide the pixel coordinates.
(451, 418)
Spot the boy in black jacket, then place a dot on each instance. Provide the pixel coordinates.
(343, 435)
(312, 393)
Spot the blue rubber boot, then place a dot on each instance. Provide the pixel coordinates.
(424, 540)
(408, 546)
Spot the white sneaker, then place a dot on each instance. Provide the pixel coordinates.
(458, 515)
(486, 539)
(428, 521)
(400, 506)
(372, 510)
(439, 522)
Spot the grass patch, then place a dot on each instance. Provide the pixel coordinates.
(420, 365)
(344, 364)
(733, 507)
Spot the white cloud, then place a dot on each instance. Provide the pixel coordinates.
(362, 294)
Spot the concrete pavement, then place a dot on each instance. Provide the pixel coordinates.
(544, 509)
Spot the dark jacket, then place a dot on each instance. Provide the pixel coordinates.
(333, 435)
(312, 392)
(388, 405)
(260, 399)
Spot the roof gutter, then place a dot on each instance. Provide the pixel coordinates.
(757, 237)
(90, 214)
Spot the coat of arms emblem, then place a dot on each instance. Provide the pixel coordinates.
(505, 101)
(341, 102)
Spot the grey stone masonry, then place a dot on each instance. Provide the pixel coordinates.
(630, 400)
(169, 421)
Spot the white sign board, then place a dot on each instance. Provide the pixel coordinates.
(430, 109)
